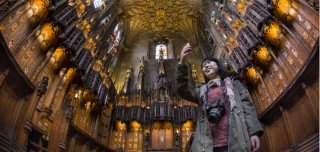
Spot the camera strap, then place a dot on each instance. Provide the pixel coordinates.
(223, 90)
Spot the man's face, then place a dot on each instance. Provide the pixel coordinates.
(210, 69)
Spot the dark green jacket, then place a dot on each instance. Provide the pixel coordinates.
(243, 121)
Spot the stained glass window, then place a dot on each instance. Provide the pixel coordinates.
(97, 3)
(161, 51)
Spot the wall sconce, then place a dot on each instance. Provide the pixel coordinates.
(284, 9)
(272, 33)
(48, 35)
(240, 6)
(58, 57)
(39, 8)
(262, 56)
(78, 94)
(97, 66)
(252, 75)
(71, 73)
(178, 131)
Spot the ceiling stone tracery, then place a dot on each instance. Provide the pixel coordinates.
(159, 16)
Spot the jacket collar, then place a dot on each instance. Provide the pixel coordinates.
(214, 82)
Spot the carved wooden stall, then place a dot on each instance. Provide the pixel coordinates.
(64, 88)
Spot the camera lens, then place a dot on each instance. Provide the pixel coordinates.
(214, 111)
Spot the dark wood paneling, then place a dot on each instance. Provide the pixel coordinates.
(277, 134)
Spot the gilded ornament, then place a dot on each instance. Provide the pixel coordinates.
(240, 6)
(97, 66)
(290, 60)
(26, 71)
(300, 18)
(22, 19)
(1, 27)
(10, 20)
(312, 42)
(305, 35)
(27, 55)
(159, 15)
(231, 40)
(307, 25)
(14, 27)
(295, 53)
(280, 76)
(19, 12)
(275, 67)
(316, 34)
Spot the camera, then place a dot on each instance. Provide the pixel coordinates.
(214, 110)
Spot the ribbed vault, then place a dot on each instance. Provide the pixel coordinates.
(160, 16)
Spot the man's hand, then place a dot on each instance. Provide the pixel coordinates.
(186, 50)
(255, 143)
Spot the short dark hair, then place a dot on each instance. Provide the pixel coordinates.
(223, 71)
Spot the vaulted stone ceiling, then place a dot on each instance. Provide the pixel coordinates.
(159, 17)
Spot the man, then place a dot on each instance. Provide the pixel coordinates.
(227, 120)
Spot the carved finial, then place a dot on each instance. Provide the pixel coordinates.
(42, 88)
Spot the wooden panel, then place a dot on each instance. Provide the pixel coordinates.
(8, 105)
(301, 118)
(297, 54)
(59, 131)
(270, 86)
(255, 100)
(169, 138)
(278, 76)
(155, 137)
(277, 135)
(283, 66)
(264, 147)
(84, 142)
(263, 95)
(17, 26)
(314, 94)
